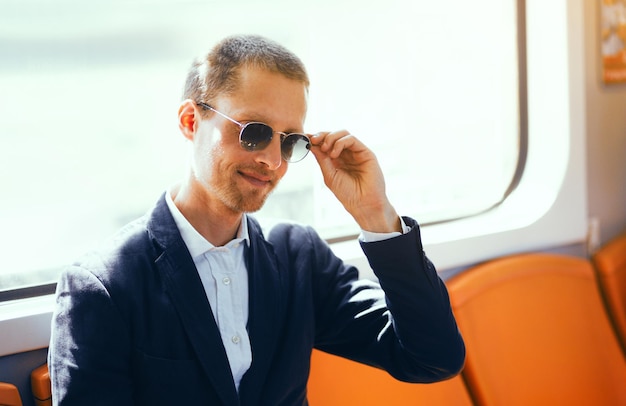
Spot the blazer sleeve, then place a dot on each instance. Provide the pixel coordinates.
(403, 324)
(89, 345)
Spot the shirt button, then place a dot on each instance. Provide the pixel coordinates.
(226, 280)
(236, 339)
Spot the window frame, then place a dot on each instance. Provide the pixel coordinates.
(21, 292)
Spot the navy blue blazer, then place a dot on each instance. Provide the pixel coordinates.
(133, 326)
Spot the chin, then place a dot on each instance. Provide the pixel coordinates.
(249, 204)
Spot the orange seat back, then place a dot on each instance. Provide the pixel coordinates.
(9, 395)
(536, 333)
(610, 264)
(40, 385)
(336, 381)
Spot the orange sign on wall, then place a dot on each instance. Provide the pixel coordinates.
(613, 35)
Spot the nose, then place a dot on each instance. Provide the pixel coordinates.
(270, 156)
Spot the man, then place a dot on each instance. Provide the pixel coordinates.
(193, 305)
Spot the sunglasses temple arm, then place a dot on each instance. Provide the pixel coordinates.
(206, 106)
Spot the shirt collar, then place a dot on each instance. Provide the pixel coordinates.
(196, 243)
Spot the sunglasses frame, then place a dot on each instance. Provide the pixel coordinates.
(247, 145)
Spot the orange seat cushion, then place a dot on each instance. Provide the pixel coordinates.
(40, 385)
(536, 333)
(9, 395)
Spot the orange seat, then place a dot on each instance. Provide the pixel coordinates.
(536, 333)
(610, 264)
(40, 385)
(9, 395)
(336, 381)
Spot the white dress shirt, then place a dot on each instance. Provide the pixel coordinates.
(224, 277)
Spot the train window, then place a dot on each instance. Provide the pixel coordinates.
(90, 92)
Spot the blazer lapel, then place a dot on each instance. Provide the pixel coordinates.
(266, 315)
(185, 289)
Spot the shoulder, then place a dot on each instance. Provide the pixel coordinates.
(122, 263)
(138, 242)
(293, 235)
(269, 226)
(301, 250)
(129, 241)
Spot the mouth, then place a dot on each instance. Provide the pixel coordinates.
(256, 179)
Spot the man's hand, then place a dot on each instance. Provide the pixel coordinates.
(351, 171)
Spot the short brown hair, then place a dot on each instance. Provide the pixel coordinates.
(217, 72)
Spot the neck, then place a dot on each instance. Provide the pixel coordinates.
(216, 223)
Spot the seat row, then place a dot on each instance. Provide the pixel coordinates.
(539, 329)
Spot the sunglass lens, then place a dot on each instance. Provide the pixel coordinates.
(256, 136)
(295, 147)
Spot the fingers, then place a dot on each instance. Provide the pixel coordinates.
(334, 143)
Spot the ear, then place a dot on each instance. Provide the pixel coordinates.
(188, 119)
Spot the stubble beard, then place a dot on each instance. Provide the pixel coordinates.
(239, 200)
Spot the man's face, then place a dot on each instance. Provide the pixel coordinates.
(235, 179)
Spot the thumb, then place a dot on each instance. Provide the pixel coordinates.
(324, 161)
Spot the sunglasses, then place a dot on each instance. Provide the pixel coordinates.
(255, 136)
